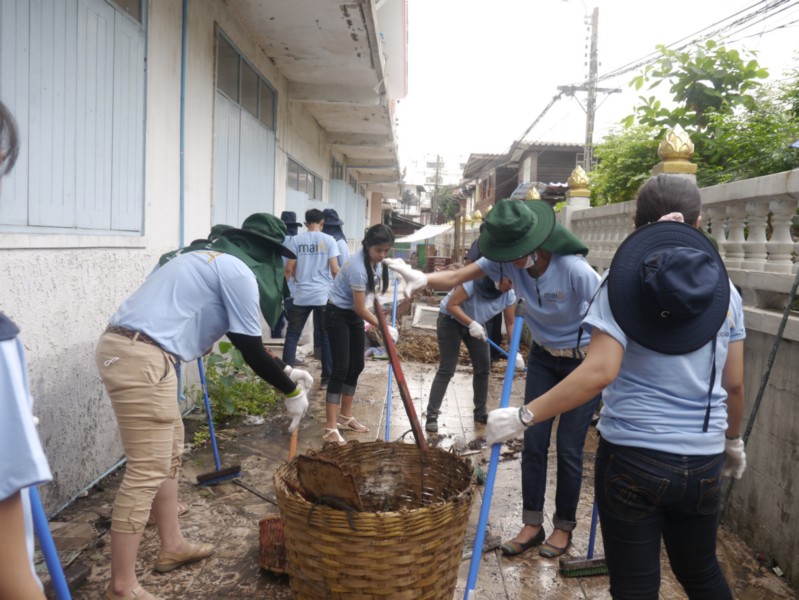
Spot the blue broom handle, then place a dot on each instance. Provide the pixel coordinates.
(477, 550)
(592, 536)
(208, 412)
(47, 546)
(390, 369)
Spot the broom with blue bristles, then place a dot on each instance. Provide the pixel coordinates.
(220, 475)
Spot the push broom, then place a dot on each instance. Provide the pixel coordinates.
(585, 566)
(477, 553)
(220, 475)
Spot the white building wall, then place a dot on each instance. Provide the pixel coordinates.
(61, 289)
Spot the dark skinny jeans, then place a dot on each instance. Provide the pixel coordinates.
(645, 494)
(345, 331)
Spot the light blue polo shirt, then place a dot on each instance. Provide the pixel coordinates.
(479, 308)
(22, 460)
(343, 252)
(556, 302)
(659, 401)
(192, 301)
(353, 276)
(314, 250)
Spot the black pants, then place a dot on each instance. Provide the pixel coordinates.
(346, 334)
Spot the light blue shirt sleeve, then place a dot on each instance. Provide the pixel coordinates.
(22, 459)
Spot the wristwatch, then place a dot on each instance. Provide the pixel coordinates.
(525, 416)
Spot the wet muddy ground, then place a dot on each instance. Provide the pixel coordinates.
(227, 515)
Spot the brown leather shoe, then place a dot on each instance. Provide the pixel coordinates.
(137, 593)
(168, 561)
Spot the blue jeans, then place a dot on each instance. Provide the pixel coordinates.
(450, 334)
(297, 318)
(645, 494)
(544, 371)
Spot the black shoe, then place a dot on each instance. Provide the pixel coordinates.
(481, 419)
(323, 383)
(431, 426)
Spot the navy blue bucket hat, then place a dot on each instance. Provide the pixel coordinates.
(331, 217)
(668, 288)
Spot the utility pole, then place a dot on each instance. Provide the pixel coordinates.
(590, 110)
(590, 87)
(434, 203)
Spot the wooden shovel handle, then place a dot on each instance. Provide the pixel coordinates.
(293, 443)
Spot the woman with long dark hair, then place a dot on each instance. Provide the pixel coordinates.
(344, 316)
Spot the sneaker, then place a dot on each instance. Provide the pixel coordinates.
(299, 361)
(323, 383)
(431, 425)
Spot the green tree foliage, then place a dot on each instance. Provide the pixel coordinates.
(626, 157)
(446, 205)
(739, 127)
(707, 79)
(750, 143)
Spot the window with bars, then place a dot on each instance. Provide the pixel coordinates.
(237, 79)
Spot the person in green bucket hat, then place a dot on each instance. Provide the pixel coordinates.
(220, 287)
(545, 262)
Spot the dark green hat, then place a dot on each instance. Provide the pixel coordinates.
(263, 227)
(563, 242)
(515, 228)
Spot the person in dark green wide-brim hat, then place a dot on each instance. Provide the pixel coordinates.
(515, 229)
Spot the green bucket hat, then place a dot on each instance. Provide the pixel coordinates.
(515, 228)
(563, 242)
(263, 227)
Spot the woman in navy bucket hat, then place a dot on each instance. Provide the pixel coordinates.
(666, 351)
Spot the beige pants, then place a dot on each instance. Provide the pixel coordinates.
(141, 381)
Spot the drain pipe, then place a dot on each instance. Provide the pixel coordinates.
(184, 35)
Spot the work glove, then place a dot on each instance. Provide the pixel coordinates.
(392, 331)
(503, 424)
(734, 458)
(300, 377)
(414, 279)
(477, 331)
(519, 362)
(296, 407)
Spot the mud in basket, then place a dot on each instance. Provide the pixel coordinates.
(407, 542)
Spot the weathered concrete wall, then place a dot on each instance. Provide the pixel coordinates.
(765, 502)
(62, 288)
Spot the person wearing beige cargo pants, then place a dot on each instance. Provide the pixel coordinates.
(141, 381)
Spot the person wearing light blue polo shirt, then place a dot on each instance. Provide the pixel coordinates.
(312, 273)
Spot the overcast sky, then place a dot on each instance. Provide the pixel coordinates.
(479, 73)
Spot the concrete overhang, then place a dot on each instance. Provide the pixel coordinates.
(330, 53)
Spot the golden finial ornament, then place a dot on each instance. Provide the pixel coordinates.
(675, 152)
(477, 216)
(578, 184)
(467, 218)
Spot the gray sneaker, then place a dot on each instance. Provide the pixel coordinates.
(431, 425)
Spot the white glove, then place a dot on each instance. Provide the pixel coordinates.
(300, 377)
(519, 362)
(414, 279)
(393, 333)
(296, 407)
(503, 424)
(477, 331)
(734, 458)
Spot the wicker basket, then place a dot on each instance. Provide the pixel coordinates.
(406, 544)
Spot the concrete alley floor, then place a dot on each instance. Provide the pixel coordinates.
(227, 515)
